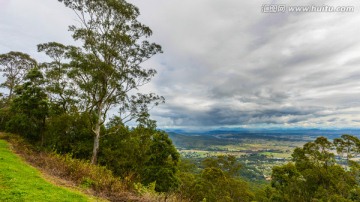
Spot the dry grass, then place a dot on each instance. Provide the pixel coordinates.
(81, 175)
(64, 170)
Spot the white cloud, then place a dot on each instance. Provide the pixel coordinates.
(226, 62)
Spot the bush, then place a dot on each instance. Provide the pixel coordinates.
(70, 133)
(142, 154)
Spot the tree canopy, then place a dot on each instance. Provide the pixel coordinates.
(316, 175)
(14, 66)
(105, 71)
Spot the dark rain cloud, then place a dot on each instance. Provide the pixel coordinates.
(226, 63)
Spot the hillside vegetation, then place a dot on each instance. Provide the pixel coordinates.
(21, 182)
(58, 115)
(64, 170)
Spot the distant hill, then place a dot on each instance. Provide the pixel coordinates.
(202, 138)
(196, 141)
(293, 131)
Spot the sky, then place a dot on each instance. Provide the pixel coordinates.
(229, 63)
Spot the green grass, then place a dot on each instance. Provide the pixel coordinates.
(21, 182)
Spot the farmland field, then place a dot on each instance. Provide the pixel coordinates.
(257, 151)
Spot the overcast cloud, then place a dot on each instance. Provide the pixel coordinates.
(227, 64)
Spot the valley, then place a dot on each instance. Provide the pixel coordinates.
(257, 150)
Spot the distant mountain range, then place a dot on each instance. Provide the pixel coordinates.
(278, 131)
(203, 139)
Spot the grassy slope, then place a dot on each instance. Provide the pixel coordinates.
(21, 182)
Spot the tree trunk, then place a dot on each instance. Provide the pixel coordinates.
(10, 94)
(96, 139)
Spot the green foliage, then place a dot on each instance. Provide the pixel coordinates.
(227, 164)
(58, 86)
(66, 111)
(107, 66)
(161, 166)
(5, 113)
(70, 133)
(285, 179)
(216, 182)
(29, 108)
(144, 154)
(315, 175)
(87, 182)
(15, 66)
(141, 189)
(347, 145)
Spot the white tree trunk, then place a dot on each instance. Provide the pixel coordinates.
(96, 138)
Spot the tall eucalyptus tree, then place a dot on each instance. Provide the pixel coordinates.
(106, 70)
(14, 66)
